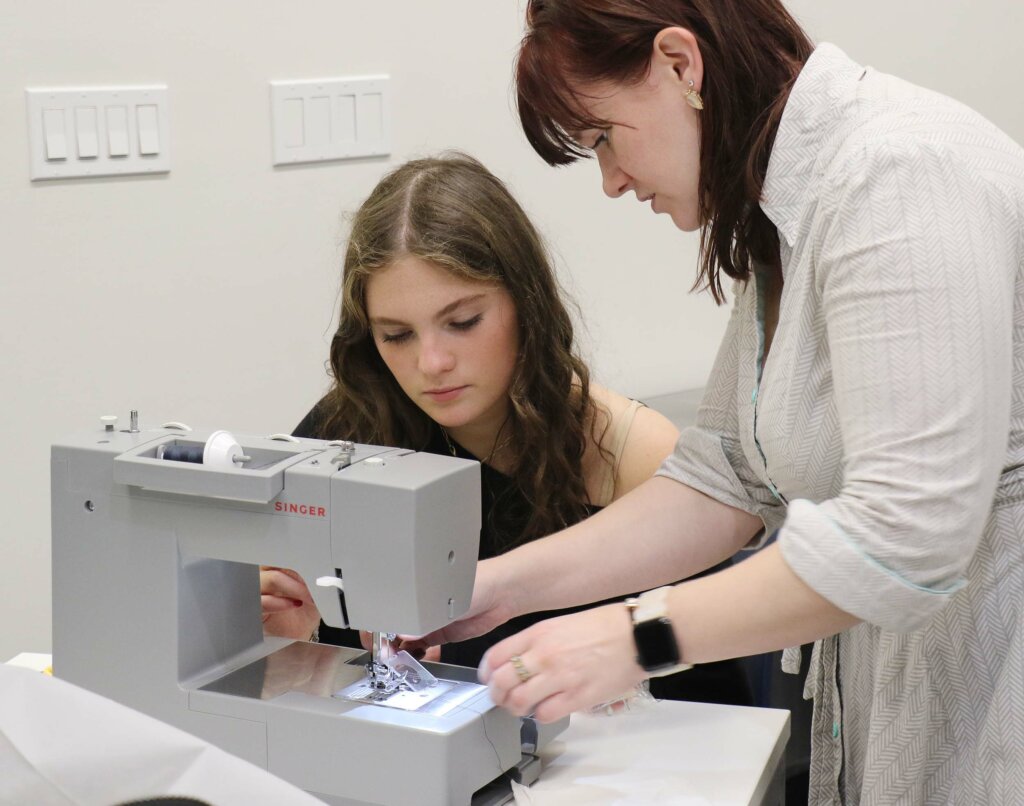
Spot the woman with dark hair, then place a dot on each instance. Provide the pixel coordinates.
(453, 338)
(866, 408)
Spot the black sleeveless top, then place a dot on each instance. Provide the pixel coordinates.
(504, 513)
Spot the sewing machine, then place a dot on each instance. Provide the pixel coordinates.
(157, 539)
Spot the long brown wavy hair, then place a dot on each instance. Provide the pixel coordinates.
(454, 213)
(752, 50)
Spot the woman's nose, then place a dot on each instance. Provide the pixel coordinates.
(614, 180)
(435, 358)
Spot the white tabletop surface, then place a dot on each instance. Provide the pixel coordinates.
(61, 745)
(665, 753)
(669, 753)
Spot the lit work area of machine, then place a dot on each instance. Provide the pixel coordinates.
(158, 535)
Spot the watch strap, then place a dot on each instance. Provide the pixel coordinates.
(653, 606)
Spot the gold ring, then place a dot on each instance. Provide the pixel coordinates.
(522, 672)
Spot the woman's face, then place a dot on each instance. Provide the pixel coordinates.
(451, 343)
(653, 145)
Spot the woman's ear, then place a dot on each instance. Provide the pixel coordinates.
(676, 51)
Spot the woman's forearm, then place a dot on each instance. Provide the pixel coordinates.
(758, 605)
(610, 554)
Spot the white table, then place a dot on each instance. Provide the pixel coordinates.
(667, 753)
(61, 744)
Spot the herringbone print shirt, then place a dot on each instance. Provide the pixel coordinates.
(884, 435)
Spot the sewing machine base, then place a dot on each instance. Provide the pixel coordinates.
(453, 751)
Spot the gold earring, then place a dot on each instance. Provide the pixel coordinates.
(693, 97)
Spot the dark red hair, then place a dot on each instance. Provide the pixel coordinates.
(752, 52)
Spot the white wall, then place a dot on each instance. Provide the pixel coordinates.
(208, 295)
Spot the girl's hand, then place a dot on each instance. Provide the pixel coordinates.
(288, 609)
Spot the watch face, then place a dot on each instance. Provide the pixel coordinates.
(655, 644)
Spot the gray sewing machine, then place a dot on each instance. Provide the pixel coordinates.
(157, 538)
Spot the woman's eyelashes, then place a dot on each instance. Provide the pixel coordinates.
(601, 138)
(461, 326)
(467, 324)
(396, 338)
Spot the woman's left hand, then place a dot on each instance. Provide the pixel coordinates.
(415, 647)
(564, 664)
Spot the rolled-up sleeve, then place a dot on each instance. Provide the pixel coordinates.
(708, 455)
(916, 267)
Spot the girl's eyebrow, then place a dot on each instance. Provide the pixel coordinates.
(447, 309)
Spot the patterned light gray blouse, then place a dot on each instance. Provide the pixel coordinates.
(884, 435)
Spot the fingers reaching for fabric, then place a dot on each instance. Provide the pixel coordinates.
(420, 649)
(286, 604)
(270, 605)
(432, 654)
(564, 664)
(282, 582)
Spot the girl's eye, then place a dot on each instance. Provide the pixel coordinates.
(396, 338)
(468, 324)
(601, 138)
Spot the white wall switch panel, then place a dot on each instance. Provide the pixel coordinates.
(330, 119)
(98, 131)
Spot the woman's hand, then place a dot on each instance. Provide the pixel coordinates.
(416, 647)
(288, 609)
(564, 664)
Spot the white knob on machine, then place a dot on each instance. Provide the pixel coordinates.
(108, 421)
(222, 450)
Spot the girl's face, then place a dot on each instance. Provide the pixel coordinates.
(451, 343)
(653, 145)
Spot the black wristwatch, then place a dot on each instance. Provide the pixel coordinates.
(656, 649)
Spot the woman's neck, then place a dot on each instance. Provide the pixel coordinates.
(486, 438)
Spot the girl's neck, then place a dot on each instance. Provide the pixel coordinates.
(487, 439)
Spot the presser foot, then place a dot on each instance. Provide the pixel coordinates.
(382, 680)
(389, 671)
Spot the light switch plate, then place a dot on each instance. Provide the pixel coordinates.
(318, 120)
(95, 131)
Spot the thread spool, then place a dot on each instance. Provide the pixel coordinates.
(182, 453)
(221, 450)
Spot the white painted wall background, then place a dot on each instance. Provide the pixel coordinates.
(208, 295)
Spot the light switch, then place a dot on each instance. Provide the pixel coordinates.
(56, 140)
(293, 130)
(345, 117)
(149, 129)
(117, 131)
(371, 116)
(85, 130)
(317, 120)
(98, 131)
(318, 112)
